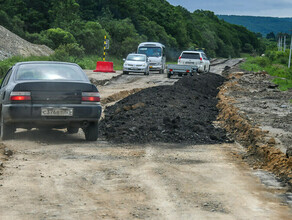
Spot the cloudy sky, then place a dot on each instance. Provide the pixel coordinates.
(271, 8)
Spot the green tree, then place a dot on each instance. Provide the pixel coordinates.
(64, 13)
(59, 37)
(91, 37)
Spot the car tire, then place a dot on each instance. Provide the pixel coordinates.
(168, 75)
(7, 131)
(72, 130)
(161, 71)
(91, 132)
(209, 69)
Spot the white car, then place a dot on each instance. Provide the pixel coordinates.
(137, 63)
(197, 58)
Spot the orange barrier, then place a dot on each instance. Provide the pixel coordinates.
(105, 67)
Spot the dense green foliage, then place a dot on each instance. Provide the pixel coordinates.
(263, 25)
(126, 23)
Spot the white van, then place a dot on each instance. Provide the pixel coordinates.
(197, 58)
(155, 53)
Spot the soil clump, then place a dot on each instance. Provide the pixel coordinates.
(182, 113)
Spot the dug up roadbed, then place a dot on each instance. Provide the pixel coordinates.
(259, 116)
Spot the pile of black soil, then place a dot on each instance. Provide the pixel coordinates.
(182, 113)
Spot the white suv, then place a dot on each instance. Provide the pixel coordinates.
(197, 58)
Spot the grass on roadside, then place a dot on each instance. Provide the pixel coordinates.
(87, 62)
(284, 84)
(275, 65)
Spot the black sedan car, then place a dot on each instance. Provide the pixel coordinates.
(49, 95)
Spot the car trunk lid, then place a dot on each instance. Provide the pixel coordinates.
(55, 92)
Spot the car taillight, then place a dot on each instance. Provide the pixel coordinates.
(201, 58)
(188, 71)
(90, 97)
(20, 96)
(170, 70)
(179, 58)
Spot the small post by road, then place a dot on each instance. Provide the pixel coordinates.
(104, 47)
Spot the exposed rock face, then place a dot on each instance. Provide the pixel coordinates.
(13, 45)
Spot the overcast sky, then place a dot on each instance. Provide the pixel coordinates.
(270, 8)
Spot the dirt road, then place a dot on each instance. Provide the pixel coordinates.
(53, 175)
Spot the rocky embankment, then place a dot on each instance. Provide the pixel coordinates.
(13, 45)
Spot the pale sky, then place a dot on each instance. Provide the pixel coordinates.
(269, 8)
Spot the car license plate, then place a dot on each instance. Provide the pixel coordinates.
(189, 63)
(150, 66)
(57, 111)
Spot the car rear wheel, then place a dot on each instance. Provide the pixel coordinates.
(91, 132)
(72, 130)
(7, 131)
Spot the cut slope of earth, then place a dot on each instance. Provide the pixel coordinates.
(182, 113)
(13, 45)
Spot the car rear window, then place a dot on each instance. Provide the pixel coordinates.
(136, 58)
(65, 72)
(190, 55)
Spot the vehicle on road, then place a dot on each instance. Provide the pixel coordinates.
(180, 70)
(49, 95)
(155, 53)
(136, 63)
(197, 58)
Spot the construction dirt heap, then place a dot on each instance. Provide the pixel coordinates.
(182, 113)
(13, 45)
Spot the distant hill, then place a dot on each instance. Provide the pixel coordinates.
(263, 25)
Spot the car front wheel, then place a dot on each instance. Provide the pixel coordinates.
(91, 132)
(7, 131)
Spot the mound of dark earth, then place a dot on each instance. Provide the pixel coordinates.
(182, 113)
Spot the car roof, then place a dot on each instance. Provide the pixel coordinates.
(45, 62)
(192, 51)
(137, 54)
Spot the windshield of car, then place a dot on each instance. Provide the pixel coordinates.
(190, 56)
(136, 58)
(49, 72)
(150, 51)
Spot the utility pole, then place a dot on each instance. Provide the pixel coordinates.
(289, 63)
(284, 43)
